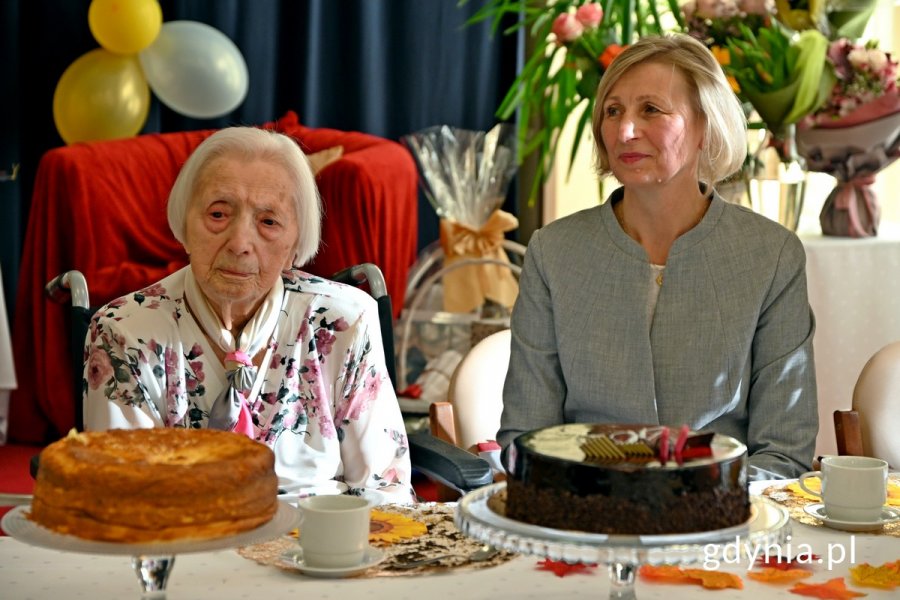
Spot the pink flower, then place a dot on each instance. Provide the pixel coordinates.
(756, 7)
(689, 9)
(589, 15)
(341, 324)
(313, 370)
(324, 341)
(717, 9)
(100, 369)
(567, 28)
(117, 303)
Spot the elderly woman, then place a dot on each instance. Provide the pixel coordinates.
(242, 340)
(665, 304)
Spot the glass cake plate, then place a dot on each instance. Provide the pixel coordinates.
(152, 561)
(768, 524)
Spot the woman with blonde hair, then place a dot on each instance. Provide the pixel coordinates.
(666, 304)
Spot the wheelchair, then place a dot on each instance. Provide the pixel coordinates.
(435, 458)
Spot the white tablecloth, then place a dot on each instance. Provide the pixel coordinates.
(28, 572)
(854, 291)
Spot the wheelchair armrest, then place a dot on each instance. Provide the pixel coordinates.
(448, 464)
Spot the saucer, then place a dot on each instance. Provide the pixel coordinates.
(294, 560)
(888, 515)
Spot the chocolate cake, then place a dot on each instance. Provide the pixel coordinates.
(627, 479)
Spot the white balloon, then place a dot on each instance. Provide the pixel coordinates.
(195, 70)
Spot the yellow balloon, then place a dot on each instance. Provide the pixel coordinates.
(101, 96)
(125, 26)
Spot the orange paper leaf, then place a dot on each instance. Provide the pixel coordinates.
(663, 574)
(833, 589)
(778, 575)
(885, 577)
(715, 580)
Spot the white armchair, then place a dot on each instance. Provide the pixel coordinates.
(870, 427)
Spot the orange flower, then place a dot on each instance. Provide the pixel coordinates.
(723, 57)
(611, 52)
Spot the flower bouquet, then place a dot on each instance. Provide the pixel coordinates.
(854, 135)
(465, 176)
(784, 76)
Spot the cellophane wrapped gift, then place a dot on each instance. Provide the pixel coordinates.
(465, 175)
(853, 151)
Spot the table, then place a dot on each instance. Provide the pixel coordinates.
(28, 572)
(854, 291)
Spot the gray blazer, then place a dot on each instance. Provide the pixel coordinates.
(729, 348)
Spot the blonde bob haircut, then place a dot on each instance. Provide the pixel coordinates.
(725, 138)
(247, 144)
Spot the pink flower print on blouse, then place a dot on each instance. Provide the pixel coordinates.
(173, 377)
(311, 370)
(117, 303)
(154, 290)
(276, 360)
(389, 476)
(324, 341)
(304, 328)
(341, 324)
(360, 401)
(100, 369)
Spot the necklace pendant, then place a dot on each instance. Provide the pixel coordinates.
(659, 279)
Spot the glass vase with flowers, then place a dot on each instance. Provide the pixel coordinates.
(784, 76)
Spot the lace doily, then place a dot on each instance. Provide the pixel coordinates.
(796, 502)
(442, 538)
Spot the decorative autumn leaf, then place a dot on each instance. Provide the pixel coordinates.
(715, 580)
(664, 574)
(833, 589)
(561, 568)
(778, 575)
(801, 561)
(885, 577)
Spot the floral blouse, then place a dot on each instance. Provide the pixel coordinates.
(325, 406)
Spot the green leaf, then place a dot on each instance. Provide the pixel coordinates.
(810, 66)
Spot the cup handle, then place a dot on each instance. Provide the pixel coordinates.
(804, 477)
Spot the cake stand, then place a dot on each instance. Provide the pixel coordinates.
(152, 561)
(769, 524)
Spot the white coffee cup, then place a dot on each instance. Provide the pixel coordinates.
(854, 488)
(334, 530)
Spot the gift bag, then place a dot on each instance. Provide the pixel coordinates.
(851, 210)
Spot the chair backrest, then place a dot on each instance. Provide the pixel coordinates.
(876, 399)
(476, 390)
